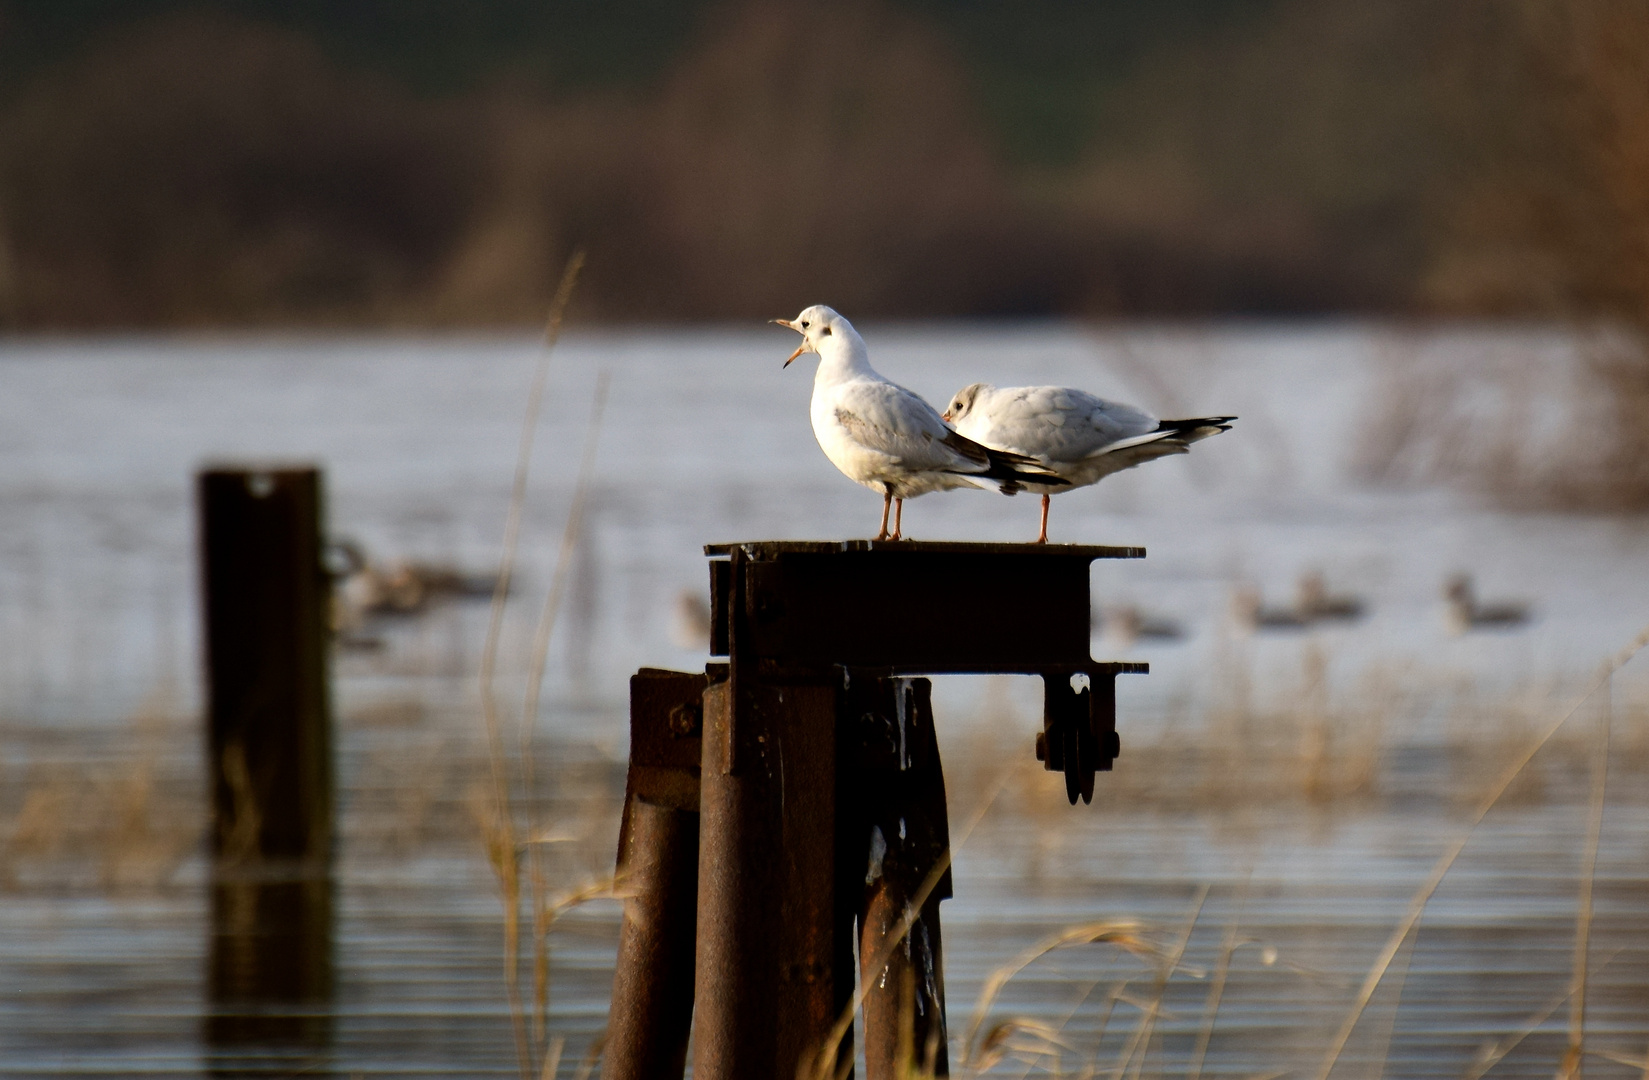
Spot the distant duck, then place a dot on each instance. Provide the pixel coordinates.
(1462, 612)
(1124, 624)
(1313, 602)
(399, 587)
(1249, 612)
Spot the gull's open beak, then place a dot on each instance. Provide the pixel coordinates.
(800, 348)
(945, 416)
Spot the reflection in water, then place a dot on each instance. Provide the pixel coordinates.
(270, 971)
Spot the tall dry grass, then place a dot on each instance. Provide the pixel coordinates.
(1123, 972)
(1038, 1045)
(513, 831)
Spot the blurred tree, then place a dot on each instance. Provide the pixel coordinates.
(373, 160)
(1553, 220)
(202, 170)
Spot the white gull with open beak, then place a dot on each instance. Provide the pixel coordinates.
(886, 437)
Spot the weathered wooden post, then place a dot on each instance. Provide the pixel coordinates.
(269, 727)
(266, 598)
(820, 793)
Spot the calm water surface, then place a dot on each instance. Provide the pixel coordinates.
(104, 944)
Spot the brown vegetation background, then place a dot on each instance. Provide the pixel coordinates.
(214, 166)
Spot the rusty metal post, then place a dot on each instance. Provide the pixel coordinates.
(767, 981)
(657, 877)
(904, 848)
(267, 597)
(821, 798)
(768, 985)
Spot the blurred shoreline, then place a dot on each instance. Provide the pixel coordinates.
(222, 166)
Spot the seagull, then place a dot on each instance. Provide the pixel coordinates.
(1076, 436)
(887, 438)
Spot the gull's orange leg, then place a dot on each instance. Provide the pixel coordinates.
(1042, 537)
(898, 517)
(887, 504)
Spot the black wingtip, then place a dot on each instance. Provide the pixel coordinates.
(1013, 471)
(1197, 428)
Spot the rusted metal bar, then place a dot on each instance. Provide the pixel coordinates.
(267, 597)
(657, 877)
(912, 608)
(904, 840)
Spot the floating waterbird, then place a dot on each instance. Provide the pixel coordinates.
(1249, 612)
(399, 587)
(1314, 603)
(1124, 624)
(887, 438)
(1462, 612)
(1078, 437)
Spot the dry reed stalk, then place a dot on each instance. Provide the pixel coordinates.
(1148, 1022)
(503, 855)
(39, 826)
(1113, 997)
(1229, 944)
(529, 712)
(1573, 1058)
(1405, 956)
(552, 1058)
(240, 841)
(1490, 1054)
(1417, 903)
(1110, 1006)
(592, 1057)
(1111, 1000)
(1315, 748)
(1033, 1039)
(500, 833)
(512, 526)
(1123, 933)
(545, 913)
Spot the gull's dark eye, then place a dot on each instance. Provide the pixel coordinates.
(804, 324)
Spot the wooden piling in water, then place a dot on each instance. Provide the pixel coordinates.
(266, 598)
(269, 719)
